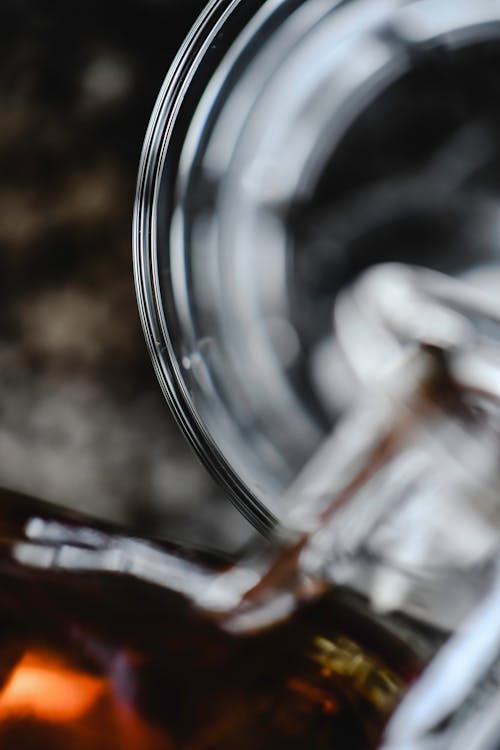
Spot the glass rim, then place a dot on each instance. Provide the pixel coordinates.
(164, 126)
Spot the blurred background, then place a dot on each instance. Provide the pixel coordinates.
(82, 420)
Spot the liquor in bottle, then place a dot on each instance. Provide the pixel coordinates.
(93, 655)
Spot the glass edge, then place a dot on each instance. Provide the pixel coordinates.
(158, 135)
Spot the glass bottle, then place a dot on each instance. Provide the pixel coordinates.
(100, 646)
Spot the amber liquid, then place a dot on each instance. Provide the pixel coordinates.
(105, 661)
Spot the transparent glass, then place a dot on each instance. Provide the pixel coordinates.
(316, 236)
(316, 255)
(295, 144)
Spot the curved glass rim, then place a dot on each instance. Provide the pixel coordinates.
(159, 139)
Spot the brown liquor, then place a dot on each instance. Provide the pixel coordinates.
(103, 660)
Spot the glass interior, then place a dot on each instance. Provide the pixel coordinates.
(331, 136)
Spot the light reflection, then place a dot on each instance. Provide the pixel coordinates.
(50, 701)
(44, 687)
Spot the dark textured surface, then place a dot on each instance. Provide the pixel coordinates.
(82, 419)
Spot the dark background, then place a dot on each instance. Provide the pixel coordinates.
(82, 419)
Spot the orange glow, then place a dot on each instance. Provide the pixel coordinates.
(44, 687)
(315, 694)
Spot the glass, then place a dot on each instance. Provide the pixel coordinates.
(352, 414)
(293, 145)
(304, 163)
(100, 647)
